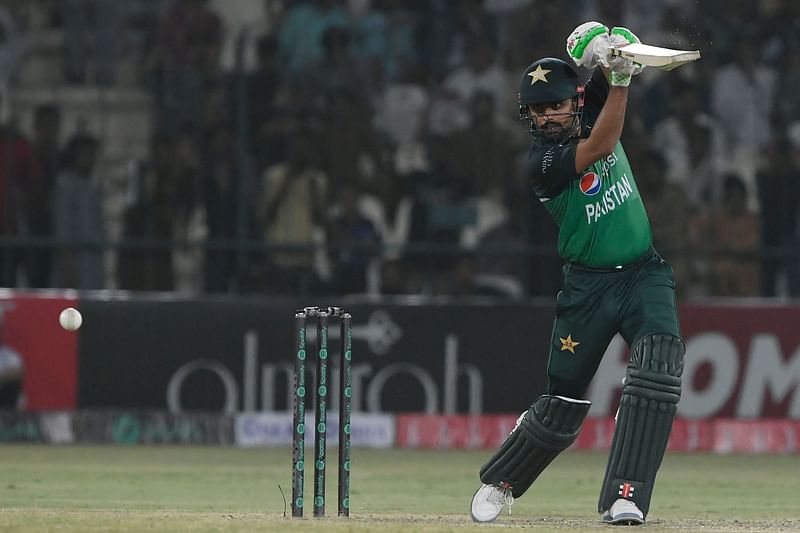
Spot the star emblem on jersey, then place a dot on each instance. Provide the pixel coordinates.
(568, 343)
(540, 74)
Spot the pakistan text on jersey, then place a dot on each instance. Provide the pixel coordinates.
(613, 197)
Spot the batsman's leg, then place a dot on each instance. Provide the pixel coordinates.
(542, 432)
(649, 398)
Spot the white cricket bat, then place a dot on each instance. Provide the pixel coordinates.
(655, 56)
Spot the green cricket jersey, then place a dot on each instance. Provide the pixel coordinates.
(601, 218)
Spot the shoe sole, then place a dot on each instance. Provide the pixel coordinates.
(624, 520)
(474, 518)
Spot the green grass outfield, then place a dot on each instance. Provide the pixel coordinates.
(147, 489)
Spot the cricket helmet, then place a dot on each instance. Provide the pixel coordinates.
(546, 81)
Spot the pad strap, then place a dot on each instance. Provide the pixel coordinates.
(650, 395)
(546, 429)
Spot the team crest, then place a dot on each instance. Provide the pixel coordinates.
(568, 344)
(590, 183)
(540, 74)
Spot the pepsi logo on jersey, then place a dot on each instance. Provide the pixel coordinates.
(590, 183)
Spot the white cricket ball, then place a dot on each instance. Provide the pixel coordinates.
(70, 319)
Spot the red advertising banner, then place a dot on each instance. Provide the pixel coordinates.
(49, 353)
(715, 435)
(432, 431)
(742, 361)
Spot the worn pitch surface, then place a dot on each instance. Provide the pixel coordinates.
(149, 489)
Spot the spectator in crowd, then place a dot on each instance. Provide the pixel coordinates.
(13, 44)
(214, 111)
(441, 211)
(728, 23)
(302, 29)
(668, 209)
(743, 99)
(349, 154)
(467, 25)
(291, 214)
(451, 106)
(499, 264)
(245, 23)
(480, 73)
(777, 22)
(703, 147)
(17, 185)
(732, 235)
(399, 276)
(386, 39)
(393, 87)
(46, 160)
(354, 241)
(266, 117)
(160, 195)
(185, 56)
(486, 155)
(675, 22)
(550, 23)
(226, 176)
(225, 181)
(676, 136)
(502, 13)
(779, 202)
(182, 167)
(334, 72)
(462, 279)
(93, 37)
(544, 266)
(441, 192)
(400, 115)
(79, 224)
(11, 372)
(787, 110)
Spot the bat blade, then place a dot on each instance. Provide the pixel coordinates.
(655, 56)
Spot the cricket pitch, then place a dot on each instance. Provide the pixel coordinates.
(155, 489)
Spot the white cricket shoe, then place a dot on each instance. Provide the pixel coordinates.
(488, 502)
(623, 513)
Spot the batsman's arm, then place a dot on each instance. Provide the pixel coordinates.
(606, 131)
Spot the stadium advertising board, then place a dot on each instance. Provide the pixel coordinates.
(228, 356)
(742, 361)
(275, 429)
(49, 353)
(717, 435)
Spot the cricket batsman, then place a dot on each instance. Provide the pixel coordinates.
(614, 281)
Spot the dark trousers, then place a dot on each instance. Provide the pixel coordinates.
(595, 305)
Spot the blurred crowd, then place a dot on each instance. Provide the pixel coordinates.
(374, 146)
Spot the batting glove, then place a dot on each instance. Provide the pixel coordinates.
(622, 70)
(621, 36)
(587, 45)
